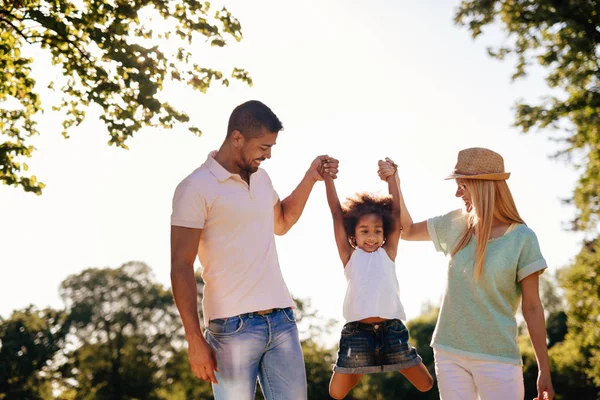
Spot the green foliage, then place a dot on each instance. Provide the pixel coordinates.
(563, 37)
(556, 326)
(552, 300)
(567, 364)
(113, 56)
(582, 287)
(180, 383)
(421, 331)
(318, 361)
(572, 333)
(29, 341)
(553, 303)
(106, 303)
(133, 375)
(569, 375)
(127, 329)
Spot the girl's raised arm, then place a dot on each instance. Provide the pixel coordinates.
(341, 238)
(410, 229)
(393, 236)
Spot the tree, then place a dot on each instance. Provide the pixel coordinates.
(556, 327)
(573, 337)
(564, 38)
(581, 282)
(126, 327)
(112, 56)
(180, 383)
(29, 341)
(556, 320)
(118, 338)
(133, 374)
(569, 376)
(318, 361)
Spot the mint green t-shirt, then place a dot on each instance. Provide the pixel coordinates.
(477, 319)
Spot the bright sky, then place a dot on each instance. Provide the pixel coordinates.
(356, 80)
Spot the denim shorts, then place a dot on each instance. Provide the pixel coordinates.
(379, 347)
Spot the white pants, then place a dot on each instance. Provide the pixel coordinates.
(463, 378)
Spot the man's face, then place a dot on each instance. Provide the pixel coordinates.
(255, 150)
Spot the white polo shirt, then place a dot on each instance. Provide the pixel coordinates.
(237, 247)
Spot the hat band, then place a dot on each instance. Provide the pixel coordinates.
(492, 176)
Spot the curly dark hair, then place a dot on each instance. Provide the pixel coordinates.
(367, 203)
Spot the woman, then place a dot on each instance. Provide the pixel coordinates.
(494, 262)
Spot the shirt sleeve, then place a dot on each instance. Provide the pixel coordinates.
(275, 196)
(440, 230)
(530, 258)
(189, 206)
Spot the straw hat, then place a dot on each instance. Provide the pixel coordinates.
(479, 163)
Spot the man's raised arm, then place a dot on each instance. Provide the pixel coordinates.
(288, 211)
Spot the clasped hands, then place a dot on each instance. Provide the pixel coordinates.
(325, 166)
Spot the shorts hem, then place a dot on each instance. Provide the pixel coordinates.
(373, 369)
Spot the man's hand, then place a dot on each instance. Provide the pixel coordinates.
(323, 165)
(387, 168)
(202, 358)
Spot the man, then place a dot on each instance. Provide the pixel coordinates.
(227, 212)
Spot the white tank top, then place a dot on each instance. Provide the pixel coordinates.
(373, 289)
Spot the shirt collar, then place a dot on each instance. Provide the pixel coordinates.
(217, 169)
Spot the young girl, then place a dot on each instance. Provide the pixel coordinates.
(374, 339)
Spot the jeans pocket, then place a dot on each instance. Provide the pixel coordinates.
(397, 326)
(226, 326)
(349, 329)
(288, 313)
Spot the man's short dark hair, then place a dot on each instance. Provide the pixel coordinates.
(251, 117)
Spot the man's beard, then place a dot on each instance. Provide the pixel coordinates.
(249, 168)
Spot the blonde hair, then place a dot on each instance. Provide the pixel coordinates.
(489, 199)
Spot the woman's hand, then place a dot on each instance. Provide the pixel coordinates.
(544, 387)
(387, 168)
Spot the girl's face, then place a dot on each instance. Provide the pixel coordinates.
(369, 233)
(464, 194)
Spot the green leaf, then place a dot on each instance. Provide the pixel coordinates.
(103, 63)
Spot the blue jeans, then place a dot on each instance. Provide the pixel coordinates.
(264, 347)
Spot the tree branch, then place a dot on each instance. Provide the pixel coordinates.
(14, 28)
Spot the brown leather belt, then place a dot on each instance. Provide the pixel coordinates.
(260, 312)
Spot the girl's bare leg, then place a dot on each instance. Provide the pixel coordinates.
(341, 384)
(419, 376)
